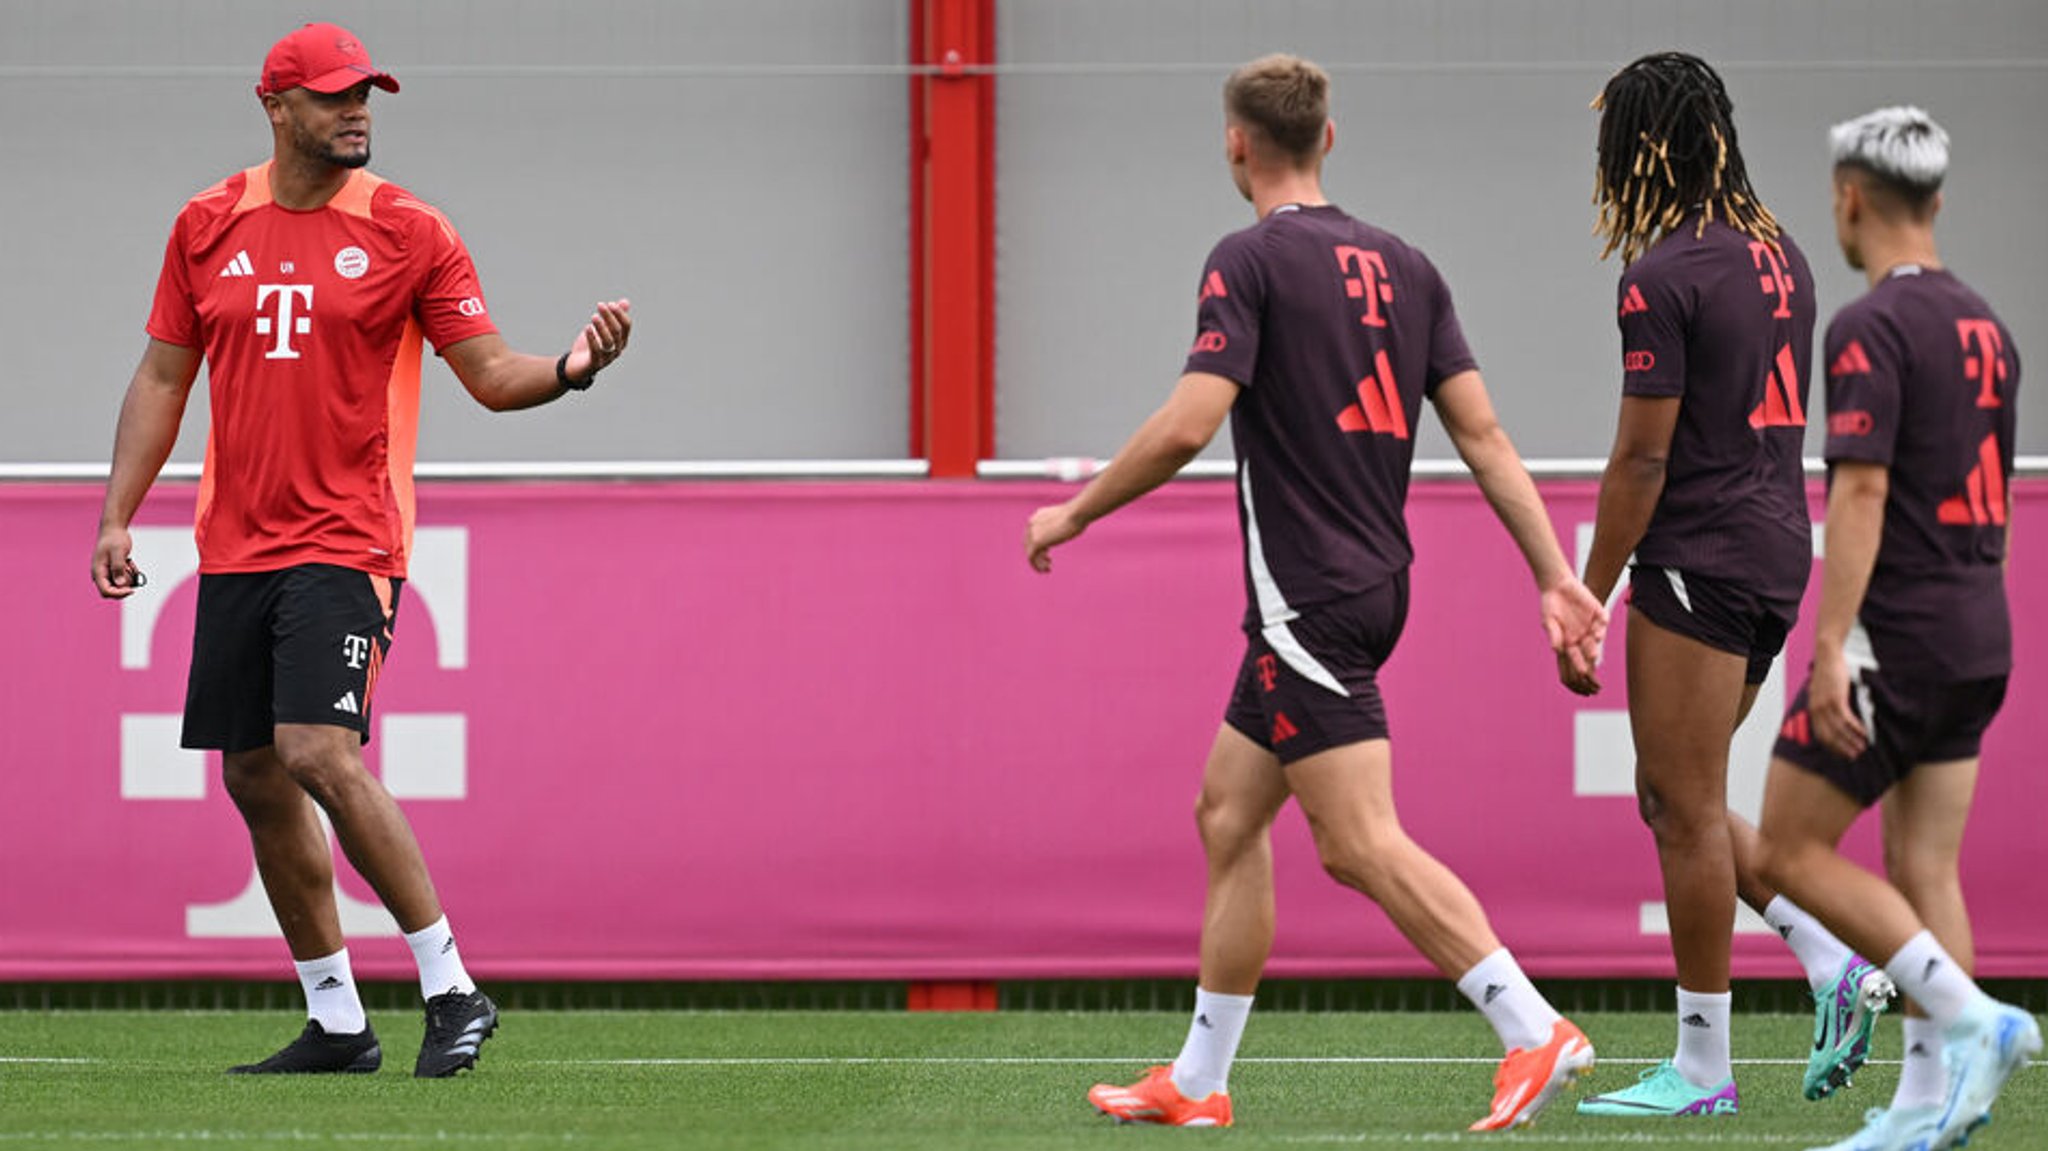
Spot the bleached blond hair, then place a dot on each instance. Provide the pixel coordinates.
(1902, 146)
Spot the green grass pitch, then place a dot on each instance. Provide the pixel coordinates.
(894, 1081)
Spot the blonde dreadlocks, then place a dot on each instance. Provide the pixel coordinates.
(1667, 146)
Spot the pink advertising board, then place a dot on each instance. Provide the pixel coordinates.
(714, 731)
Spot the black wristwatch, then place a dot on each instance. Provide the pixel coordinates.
(562, 376)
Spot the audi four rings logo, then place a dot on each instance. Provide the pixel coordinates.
(470, 306)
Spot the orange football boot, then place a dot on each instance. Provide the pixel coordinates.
(1154, 1099)
(1528, 1079)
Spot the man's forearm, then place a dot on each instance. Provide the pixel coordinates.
(1629, 490)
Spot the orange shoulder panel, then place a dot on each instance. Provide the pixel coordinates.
(355, 196)
(255, 188)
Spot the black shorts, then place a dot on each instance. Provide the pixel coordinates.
(302, 645)
(1313, 683)
(1720, 613)
(1910, 722)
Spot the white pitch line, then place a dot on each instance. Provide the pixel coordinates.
(274, 1138)
(41, 1059)
(1563, 1139)
(1006, 1060)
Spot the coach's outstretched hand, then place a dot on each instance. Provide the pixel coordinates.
(601, 341)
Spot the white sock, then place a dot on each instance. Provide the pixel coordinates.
(1923, 1079)
(1519, 1013)
(1931, 977)
(1816, 948)
(441, 971)
(1203, 1066)
(331, 998)
(1703, 1038)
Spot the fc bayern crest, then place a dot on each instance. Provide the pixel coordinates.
(351, 262)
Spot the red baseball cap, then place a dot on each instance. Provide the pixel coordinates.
(325, 58)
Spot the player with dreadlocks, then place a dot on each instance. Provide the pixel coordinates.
(1705, 488)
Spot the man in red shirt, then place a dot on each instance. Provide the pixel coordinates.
(308, 285)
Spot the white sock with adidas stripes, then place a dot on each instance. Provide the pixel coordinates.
(1203, 1066)
(1923, 1078)
(331, 997)
(441, 970)
(1518, 1012)
(1703, 1038)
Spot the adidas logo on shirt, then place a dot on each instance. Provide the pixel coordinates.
(347, 703)
(239, 266)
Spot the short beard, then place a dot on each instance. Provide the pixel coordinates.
(316, 149)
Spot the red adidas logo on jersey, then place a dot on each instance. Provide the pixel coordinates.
(1852, 361)
(1983, 498)
(1378, 409)
(1633, 302)
(1212, 286)
(1780, 407)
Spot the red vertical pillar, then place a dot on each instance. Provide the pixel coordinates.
(952, 235)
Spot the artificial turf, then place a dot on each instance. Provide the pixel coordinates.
(879, 1080)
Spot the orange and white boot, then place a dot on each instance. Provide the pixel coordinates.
(1529, 1078)
(1155, 1099)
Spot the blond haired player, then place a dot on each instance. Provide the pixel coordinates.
(1319, 338)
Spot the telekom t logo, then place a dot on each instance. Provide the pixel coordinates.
(1774, 281)
(419, 755)
(1368, 284)
(1983, 358)
(294, 316)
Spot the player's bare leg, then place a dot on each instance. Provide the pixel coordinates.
(1805, 817)
(327, 762)
(1924, 818)
(1684, 699)
(1242, 790)
(1347, 795)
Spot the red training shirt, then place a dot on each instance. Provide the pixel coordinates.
(311, 323)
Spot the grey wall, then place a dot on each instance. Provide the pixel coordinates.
(1463, 125)
(736, 167)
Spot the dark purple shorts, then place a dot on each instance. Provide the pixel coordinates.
(1313, 683)
(1720, 613)
(1911, 722)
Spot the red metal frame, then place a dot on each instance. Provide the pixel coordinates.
(952, 235)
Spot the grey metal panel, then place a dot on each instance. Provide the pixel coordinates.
(1462, 125)
(735, 166)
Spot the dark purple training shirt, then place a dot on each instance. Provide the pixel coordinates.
(1923, 378)
(1336, 330)
(1725, 323)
